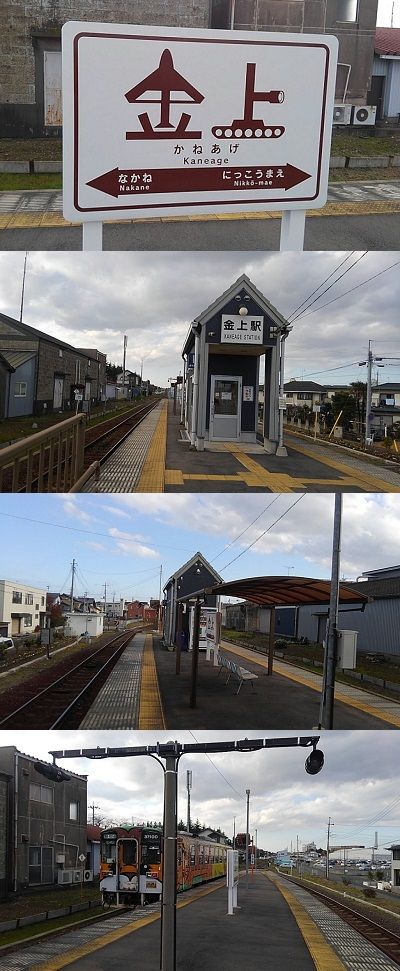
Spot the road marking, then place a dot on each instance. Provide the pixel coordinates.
(151, 712)
(153, 471)
(323, 955)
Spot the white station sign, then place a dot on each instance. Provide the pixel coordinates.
(161, 121)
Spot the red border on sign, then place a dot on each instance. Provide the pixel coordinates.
(186, 40)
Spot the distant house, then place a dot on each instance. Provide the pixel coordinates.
(22, 608)
(300, 393)
(40, 373)
(385, 84)
(385, 406)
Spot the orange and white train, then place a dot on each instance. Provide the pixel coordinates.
(131, 863)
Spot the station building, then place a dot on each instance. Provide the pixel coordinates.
(22, 608)
(42, 823)
(193, 576)
(40, 373)
(30, 43)
(221, 355)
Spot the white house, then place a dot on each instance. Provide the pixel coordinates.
(22, 607)
(84, 623)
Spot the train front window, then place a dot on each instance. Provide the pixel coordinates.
(151, 854)
(108, 852)
(129, 849)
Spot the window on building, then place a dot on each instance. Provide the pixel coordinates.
(42, 601)
(192, 853)
(40, 864)
(27, 620)
(36, 606)
(29, 598)
(17, 597)
(347, 11)
(20, 389)
(74, 812)
(38, 793)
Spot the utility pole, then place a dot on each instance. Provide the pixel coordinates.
(105, 599)
(93, 807)
(72, 586)
(255, 853)
(188, 787)
(247, 837)
(330, 824)
(328, 683)
(124, 365)
(234, 833)
(369, 395)
(281, 449)
(23, 289)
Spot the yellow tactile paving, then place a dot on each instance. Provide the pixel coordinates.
(371, 483)
(391, 718)
(153, 471)
(48, 220)
(151, 712)
(63, 960)
(173, 477)
(323, 955)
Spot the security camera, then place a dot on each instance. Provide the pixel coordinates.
(314, 762)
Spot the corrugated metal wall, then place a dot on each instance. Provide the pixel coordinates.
(378, 626)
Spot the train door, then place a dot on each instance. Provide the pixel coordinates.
(150, 881)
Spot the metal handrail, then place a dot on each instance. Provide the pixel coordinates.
(52, 459)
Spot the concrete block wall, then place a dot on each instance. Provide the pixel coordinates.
(21, 20)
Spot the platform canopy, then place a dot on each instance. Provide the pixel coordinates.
(286, 591)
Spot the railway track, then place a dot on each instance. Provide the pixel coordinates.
(64, 702)
(382, 935)
(102, 441)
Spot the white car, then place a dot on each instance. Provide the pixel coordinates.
(6, 642)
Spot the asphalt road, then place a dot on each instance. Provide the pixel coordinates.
(371, 232)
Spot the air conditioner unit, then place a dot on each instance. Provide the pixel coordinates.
(342, 114)
(87, 876)
(64, 877)
(77, 876)
(364, 115)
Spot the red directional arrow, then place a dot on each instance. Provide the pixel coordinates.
(128, 182)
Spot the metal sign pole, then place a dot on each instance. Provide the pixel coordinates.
(92, 236)
(293, 224)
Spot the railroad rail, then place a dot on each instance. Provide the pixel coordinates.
(63, 702)
(381, 935)
(102, 441)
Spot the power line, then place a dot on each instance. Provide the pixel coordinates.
(303, 314)
(368, 280)
(264, 532)
(240, 794)
(246, 528)
(320, 285)
(88, 532)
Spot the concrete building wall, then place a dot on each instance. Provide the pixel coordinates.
(31, 603)
(85, 623)
(29, 28)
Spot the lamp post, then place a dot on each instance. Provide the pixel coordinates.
(247, 836)
(170, 753)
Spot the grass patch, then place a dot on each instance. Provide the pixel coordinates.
(35, 930)
(387, 903)
(28, 904)
(12, 181)
(350, 144)
(364, 175)
(16, 429)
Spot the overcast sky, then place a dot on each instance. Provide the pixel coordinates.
(385, 9)
(125, 539)
(355, 787)
(93, 299)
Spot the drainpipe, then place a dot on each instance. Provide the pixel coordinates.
(281, 450)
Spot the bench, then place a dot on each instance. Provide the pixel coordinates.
(236, 671)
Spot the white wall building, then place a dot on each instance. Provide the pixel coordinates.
(22, 608)
(84, 623)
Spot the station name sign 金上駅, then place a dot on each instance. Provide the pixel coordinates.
(160, 120)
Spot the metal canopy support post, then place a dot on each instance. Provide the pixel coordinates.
(247, 837)
(293, 224)
(168, 901)
(92, 236)
(179, 640)
(195, 655)
(328, 688)
(271, 642)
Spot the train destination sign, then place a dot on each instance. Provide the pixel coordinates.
(179, 121)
